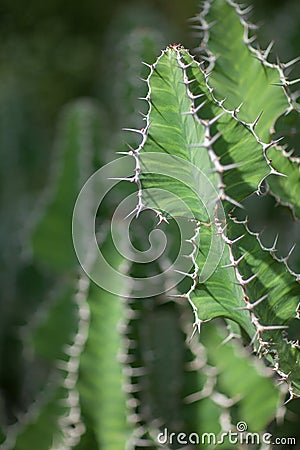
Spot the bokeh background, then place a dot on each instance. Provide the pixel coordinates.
(53, 53)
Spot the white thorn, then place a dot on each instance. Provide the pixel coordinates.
(290, 63)
(231, 200)
(268, 49)
(147, 65)
(133, 130)
(200, 106)
(244, 282)
(215, 119)
(131, 180)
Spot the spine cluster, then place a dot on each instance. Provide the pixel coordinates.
(203, 30)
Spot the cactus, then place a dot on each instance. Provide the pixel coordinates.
(231, 144)
(194, 344)
(239, 83)
(101, 380)
(77, 142)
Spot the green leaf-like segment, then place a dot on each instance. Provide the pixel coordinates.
(78, 136)
(79, 396)
(52, 421)
(246, 83)
(100, 375)
(180, 125)
(173, 127)
(285, 189)
(240, 73)
(279, 292)
(240, 376)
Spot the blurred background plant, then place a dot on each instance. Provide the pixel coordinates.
(69, 81)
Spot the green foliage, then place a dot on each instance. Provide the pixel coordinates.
(240, 376)
(100, 373)
(258, 280)
(87, 369)
(240, 71)
(78, 145)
